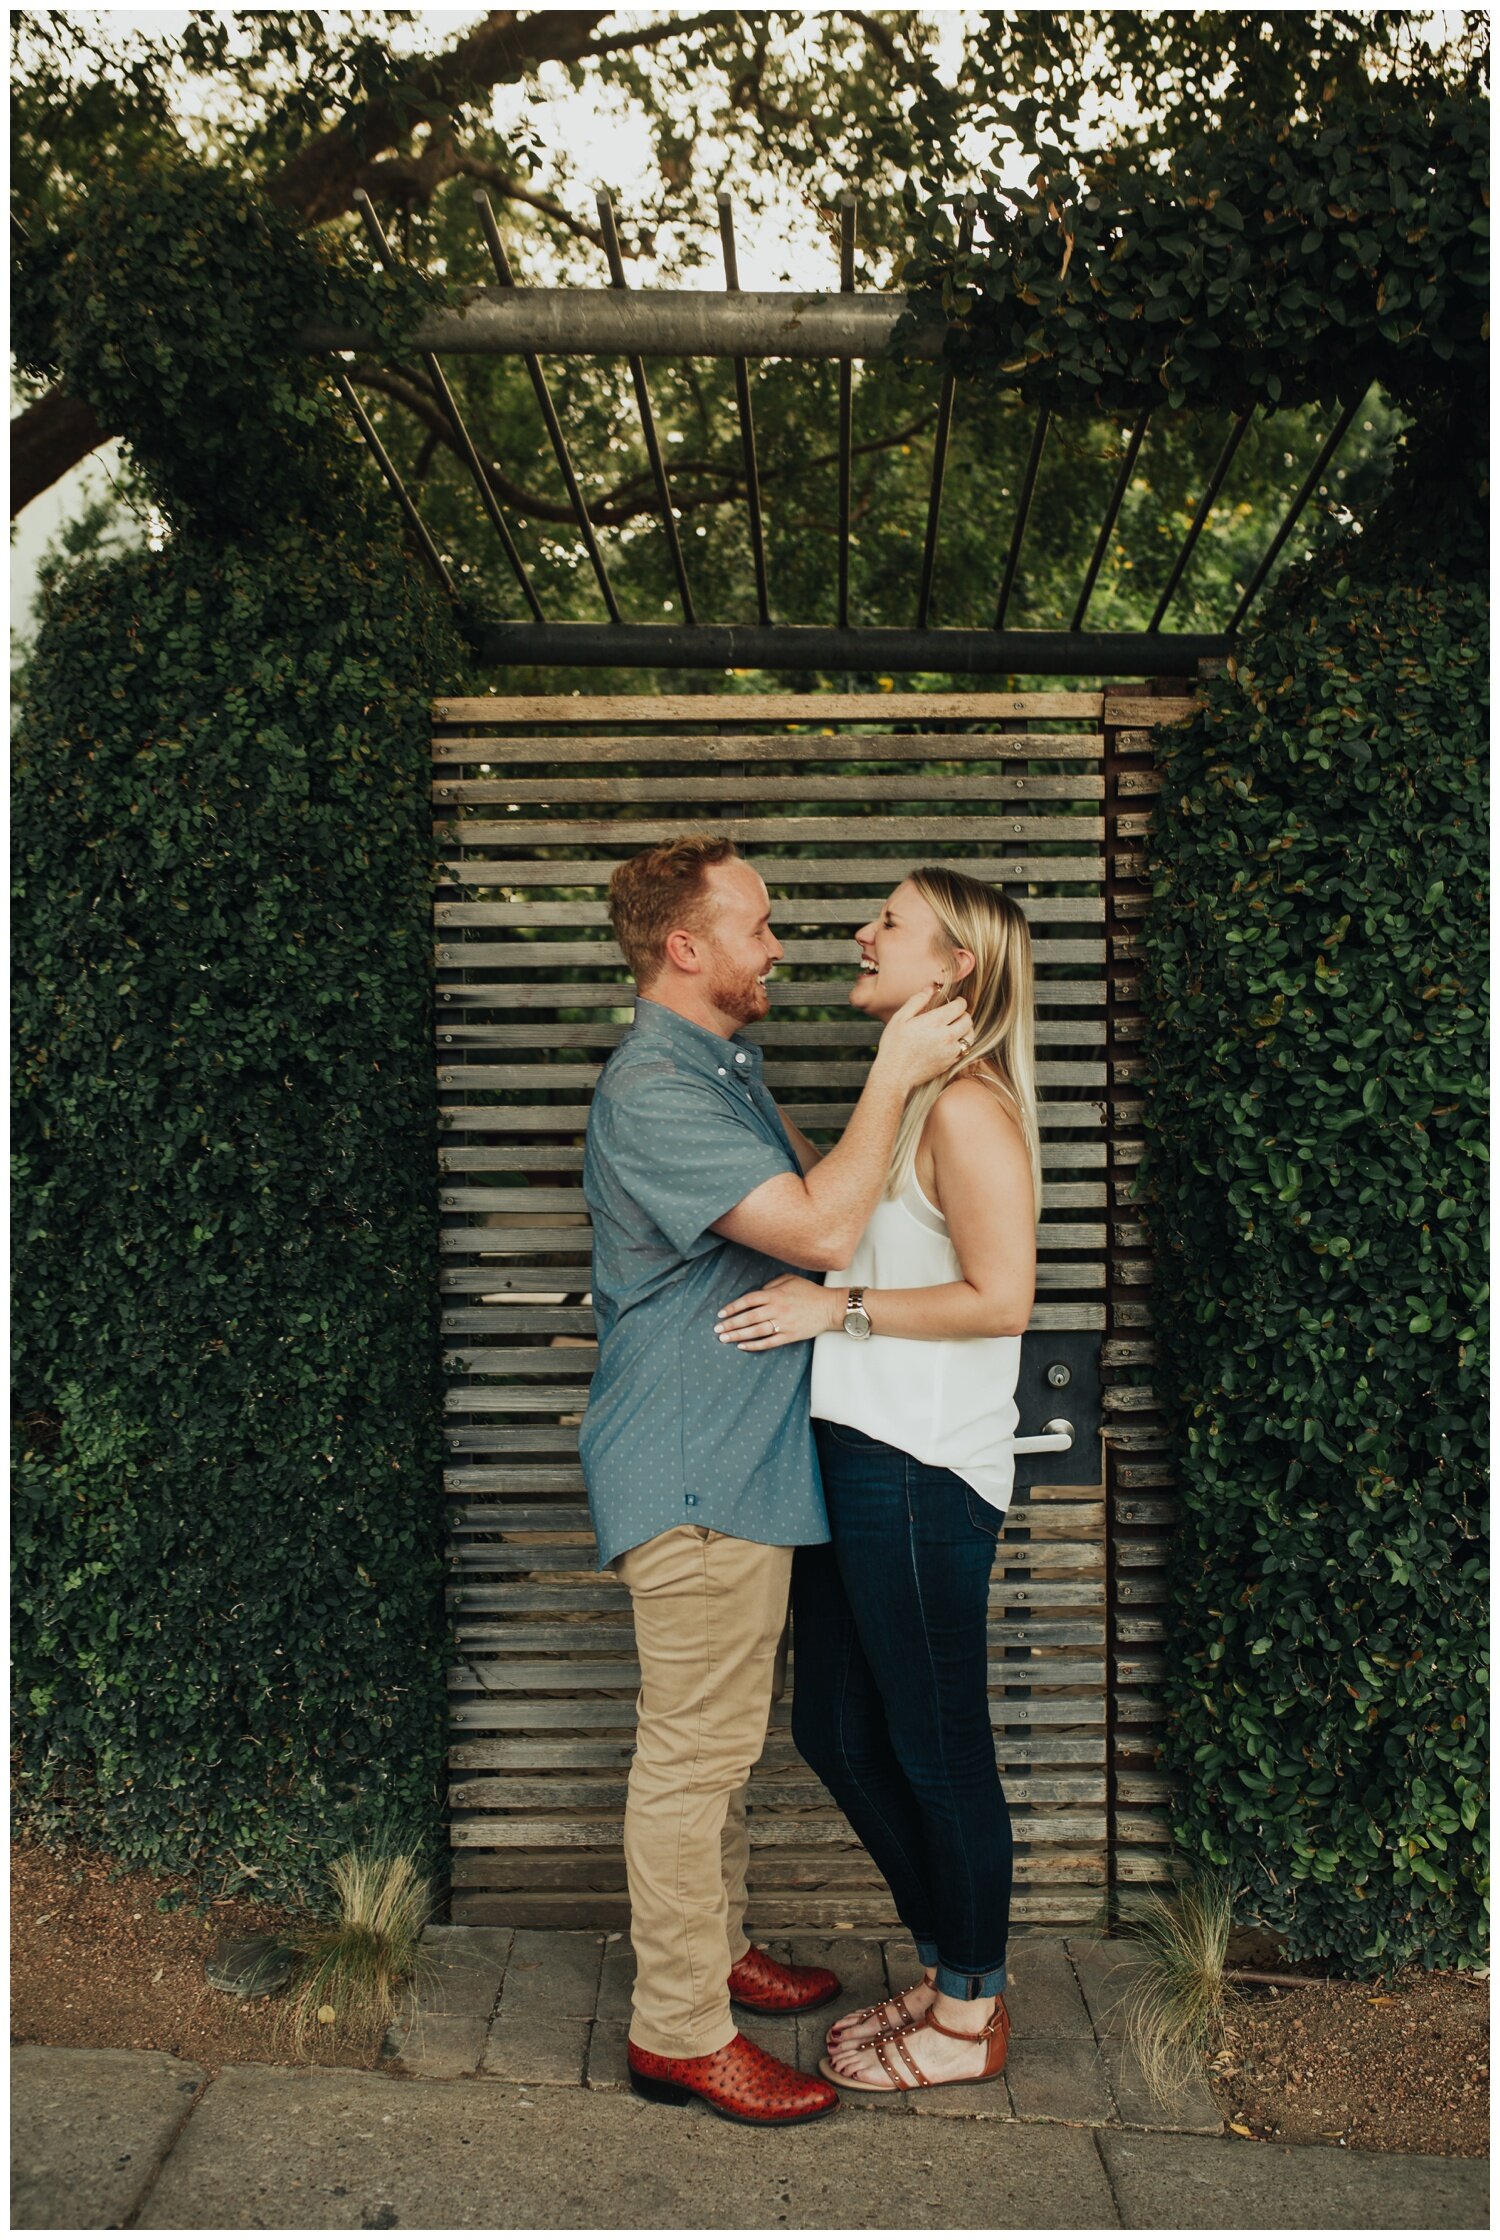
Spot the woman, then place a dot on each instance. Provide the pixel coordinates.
(916, 1354)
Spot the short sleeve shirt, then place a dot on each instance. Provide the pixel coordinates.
(680, 1428)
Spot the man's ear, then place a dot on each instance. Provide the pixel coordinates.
(682, 951)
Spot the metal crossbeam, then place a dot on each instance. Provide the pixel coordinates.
(800, 646)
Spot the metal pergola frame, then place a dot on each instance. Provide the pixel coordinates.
(638, 324)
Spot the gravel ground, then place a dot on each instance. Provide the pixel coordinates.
(93, 1963)
(1402, 2065)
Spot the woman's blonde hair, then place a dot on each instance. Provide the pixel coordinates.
(1001, 996)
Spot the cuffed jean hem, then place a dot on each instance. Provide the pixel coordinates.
(957, 1983)
(927, 1952)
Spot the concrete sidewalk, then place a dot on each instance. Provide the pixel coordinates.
(509, 2109)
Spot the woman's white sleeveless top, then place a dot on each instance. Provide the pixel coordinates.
(950, 1402)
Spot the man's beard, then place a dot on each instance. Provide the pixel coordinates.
(743, 999)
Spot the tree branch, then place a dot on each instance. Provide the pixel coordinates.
(406, 180)
(617, 505)
(320, 180)
(48, 438)
(55, 432)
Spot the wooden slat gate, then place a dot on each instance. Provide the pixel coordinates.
(833, 798)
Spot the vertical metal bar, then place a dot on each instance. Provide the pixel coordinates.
(848, 218)
(449, 404)
(1112, 514)
(549, 414)
(1023, 508)
(1205, 507)
(940, 444)
(387, 467)
(1315, 474)
(643, 406)
(747, 420)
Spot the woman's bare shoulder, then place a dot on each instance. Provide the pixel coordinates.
(969, 1106)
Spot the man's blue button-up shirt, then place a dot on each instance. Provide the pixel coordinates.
(681, 1429)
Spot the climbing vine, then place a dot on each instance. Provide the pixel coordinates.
(1272, 267)
(229, 1637)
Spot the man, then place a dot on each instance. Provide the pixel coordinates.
(699, 1459)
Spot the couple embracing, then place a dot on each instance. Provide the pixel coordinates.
(757, 1436)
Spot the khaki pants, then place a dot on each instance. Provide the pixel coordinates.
(710, 1628)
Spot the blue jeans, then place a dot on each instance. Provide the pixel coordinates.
(890, 1707)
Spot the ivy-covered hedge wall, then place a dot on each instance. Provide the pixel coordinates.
(1286, 264)
(1314, 991)
(229, 1636)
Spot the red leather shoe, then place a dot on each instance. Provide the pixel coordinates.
(741, 2082)
(766, 1986)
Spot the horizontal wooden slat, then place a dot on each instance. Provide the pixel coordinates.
(602, 1591)
(594, 955)
(571, 1119)
(504, 1316)
(819, 744)
(541, 1713)
(1045, 1521)
(524, 1637)
(1055, 1236)
(567, 1158)
(786, 995)
(990, 786)
(772, 707)
(1127, 708)
(520, 1676)
(523, 1361)
(475, 1198)
(842, 1869)
(551, 1753)
(791, 872)
(493, 1833)
(753, 836)
(780, 1073)
(806, 910)
(774, 1035)
(558, 1479)
(529, 1279)
(512, 1794)
(773, 1914)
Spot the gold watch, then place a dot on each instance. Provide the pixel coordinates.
(857, 1323)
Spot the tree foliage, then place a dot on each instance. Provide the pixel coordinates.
(788, 110)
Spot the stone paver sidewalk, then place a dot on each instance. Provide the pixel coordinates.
(551, 2007)
(506, 2106)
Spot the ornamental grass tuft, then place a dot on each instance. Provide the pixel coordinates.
(1174, 2009)
(351, 1968)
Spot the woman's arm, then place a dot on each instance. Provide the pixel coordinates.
(983, 1180)
(984, 1191)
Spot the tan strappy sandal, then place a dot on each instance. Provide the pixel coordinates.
(909, 2021)
(996, 2031)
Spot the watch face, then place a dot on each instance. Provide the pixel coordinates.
(857, 1323)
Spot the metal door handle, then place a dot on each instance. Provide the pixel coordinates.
(1056, 1437)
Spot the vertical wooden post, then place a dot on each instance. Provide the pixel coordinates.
(1138, 1509)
